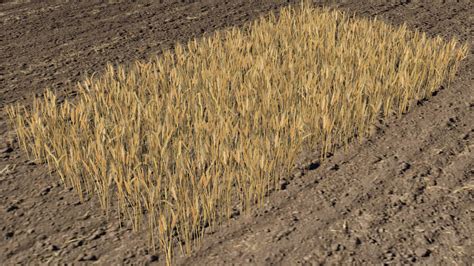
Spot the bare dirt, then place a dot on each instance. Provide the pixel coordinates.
(404, 195)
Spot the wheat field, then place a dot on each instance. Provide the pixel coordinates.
(177, 143)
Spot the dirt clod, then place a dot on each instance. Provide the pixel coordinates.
(9, 235)
(422, 252)
(53, 248)
(333, 167)
(45, 191)
(87, 257)
(11, 208)
(152, 258)
(6, 150)
(404, 167)
(283, 184)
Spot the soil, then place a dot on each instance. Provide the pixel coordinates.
(404, 195)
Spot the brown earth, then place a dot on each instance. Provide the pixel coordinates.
(404, 195)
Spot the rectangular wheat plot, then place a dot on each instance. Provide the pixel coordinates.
(179, 142)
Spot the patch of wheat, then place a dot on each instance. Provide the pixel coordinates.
(175, 143)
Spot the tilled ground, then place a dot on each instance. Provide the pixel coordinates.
(404, 195)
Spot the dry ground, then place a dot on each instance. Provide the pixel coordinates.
(404, 195)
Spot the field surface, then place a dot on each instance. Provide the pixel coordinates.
(404, 195)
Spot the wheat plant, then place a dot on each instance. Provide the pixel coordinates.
(178, 142)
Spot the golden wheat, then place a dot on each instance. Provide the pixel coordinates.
(213, 125)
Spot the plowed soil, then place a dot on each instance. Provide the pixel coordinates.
(405, 195)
